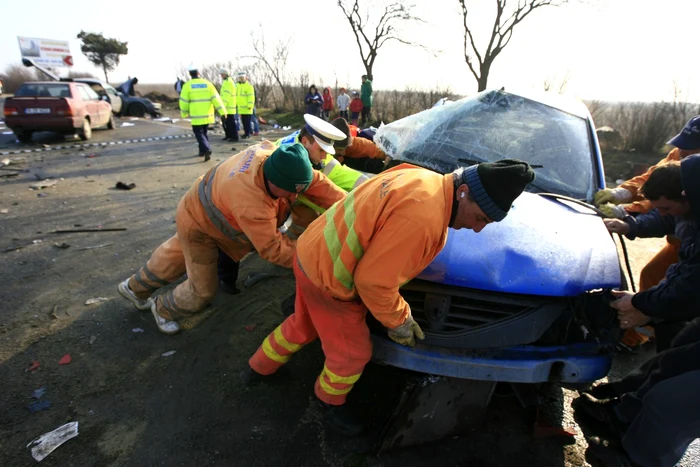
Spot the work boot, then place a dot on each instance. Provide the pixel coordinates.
(230, 289)
(601, 411)
(225, 138)
(610, 452)
(339, 418)
(164, 325)
(250, 377)
(129, 294)
(207, 156)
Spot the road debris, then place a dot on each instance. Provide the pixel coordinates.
(48, 442)
(93, 301)
(137, 330)
(5, 162)
(4, 211)
(92, 155)
(251, 327)
(95, 247)
(62, 246)
(39, 405)
(124, 186)
(42, 195)
(39, 393)
(32, 366)
(65, 360)
(93, 339)
(118, 229)
(43, 184)
(53, 312)
(125, 124)
(168, 353)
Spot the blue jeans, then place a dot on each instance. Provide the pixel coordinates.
(200, 132)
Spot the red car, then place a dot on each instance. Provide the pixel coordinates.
(63, 107)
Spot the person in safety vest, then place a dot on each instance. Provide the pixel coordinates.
(236, 207)
(318, 138)
(198, 100)
(228, 96)
(355, 257)
(627, 200)
(246, 102)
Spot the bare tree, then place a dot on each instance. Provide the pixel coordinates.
(556, 84)
(371, 35)
(507, 18)
(275, 60)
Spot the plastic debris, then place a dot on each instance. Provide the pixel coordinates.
(43, 195)
(93, 301)
(251, 327)
(39, 405)
(95, 247)
(48, 442)
(39, 393)
(5, 162)
(126, 124)
(92, 155)
(285, 128)
(124, 186)
(92, 339)
(4, 211)
(168, 353)
(63, 246)
(36, 242)
(43, 184)
(65, 360)
(137, 330)
(33, 366)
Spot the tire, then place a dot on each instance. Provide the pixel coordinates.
(85, 132)
(24, 136)
(137, 110)
(110, 124)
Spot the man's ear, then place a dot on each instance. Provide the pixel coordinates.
(462, 191)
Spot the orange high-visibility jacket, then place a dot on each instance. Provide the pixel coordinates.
(231, 204)
(383, 235)
(362, 147)
(639, 204)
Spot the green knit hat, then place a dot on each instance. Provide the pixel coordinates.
(289, 168)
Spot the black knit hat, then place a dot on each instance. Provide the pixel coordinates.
(495, 185)
(342, 124)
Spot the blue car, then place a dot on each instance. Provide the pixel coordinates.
(527, 299)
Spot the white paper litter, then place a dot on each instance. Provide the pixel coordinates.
(126, 124)
(168, 353)
(48, 442)
(5, 162)
(285, 128)
(133, 118)
(92, 301)
(175, 120)
(137, 330)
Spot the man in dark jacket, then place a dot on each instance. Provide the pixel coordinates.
(677, 298)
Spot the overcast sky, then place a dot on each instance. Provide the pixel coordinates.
(618, 50)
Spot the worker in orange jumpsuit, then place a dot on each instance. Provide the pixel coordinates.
(357, 255)
(626, 199)
(237, 206)
(358, 153)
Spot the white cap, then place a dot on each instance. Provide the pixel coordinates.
(223, 71)
(241, 73)
(323, 132)
(192, 67)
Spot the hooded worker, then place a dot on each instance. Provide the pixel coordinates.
(627, 199)
(236, 207)
(357, 255)
(198, 100)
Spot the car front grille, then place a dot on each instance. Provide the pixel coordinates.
(445, 309)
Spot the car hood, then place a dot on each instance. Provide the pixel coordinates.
(543, 247)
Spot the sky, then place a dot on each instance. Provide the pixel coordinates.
(613, 50)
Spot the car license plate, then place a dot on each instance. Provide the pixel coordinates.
(37, 111)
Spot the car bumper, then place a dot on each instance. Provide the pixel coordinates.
(576, 363)
(60, 124)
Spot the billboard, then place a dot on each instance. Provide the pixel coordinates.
(46, 52)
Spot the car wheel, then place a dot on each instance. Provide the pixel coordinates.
(24, 136)
(85, 132)
(137, 110)
(110, 123)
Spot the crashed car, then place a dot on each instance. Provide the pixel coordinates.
(123, 104)
(525, 300)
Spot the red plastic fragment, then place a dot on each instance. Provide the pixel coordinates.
(251, 327)
(33, 366)
(65, 360)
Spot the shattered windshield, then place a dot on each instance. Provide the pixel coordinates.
(496, 125)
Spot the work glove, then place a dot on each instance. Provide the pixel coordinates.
(613, 212)
(406, 333)
(612, 195)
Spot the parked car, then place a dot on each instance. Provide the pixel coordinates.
(135, 106)
(526, 300)
(63, 107)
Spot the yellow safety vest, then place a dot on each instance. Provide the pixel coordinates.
(198, 100)
(228, 95)
(343, 176)
(246, 98)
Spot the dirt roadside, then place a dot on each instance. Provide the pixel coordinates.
(137, 407)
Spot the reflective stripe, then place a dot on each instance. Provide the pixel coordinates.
(215, 216)
(144, 284)
(169, 304)
(185, 100)
(270, 352)
(334, 244)
(340, 379)
(202, 116)
(360, 180)
(331, 390)
(200, 100)
(284, 343)
(329, 166)
(152, 277)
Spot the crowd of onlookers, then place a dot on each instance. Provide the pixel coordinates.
(354, 107)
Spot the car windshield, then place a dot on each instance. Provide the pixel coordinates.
(495, 125)
(43, 90)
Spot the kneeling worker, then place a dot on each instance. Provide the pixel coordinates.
(357, 255)
(236, 207)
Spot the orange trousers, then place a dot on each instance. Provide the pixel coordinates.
(652, 273)
(344, 338)
(192, 249)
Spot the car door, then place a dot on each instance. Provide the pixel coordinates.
(114, 99)
(99, 109)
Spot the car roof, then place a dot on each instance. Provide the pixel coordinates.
(565, 103)
(46, 82)
(88, 81)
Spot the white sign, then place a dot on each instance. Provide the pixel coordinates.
(46, 52)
